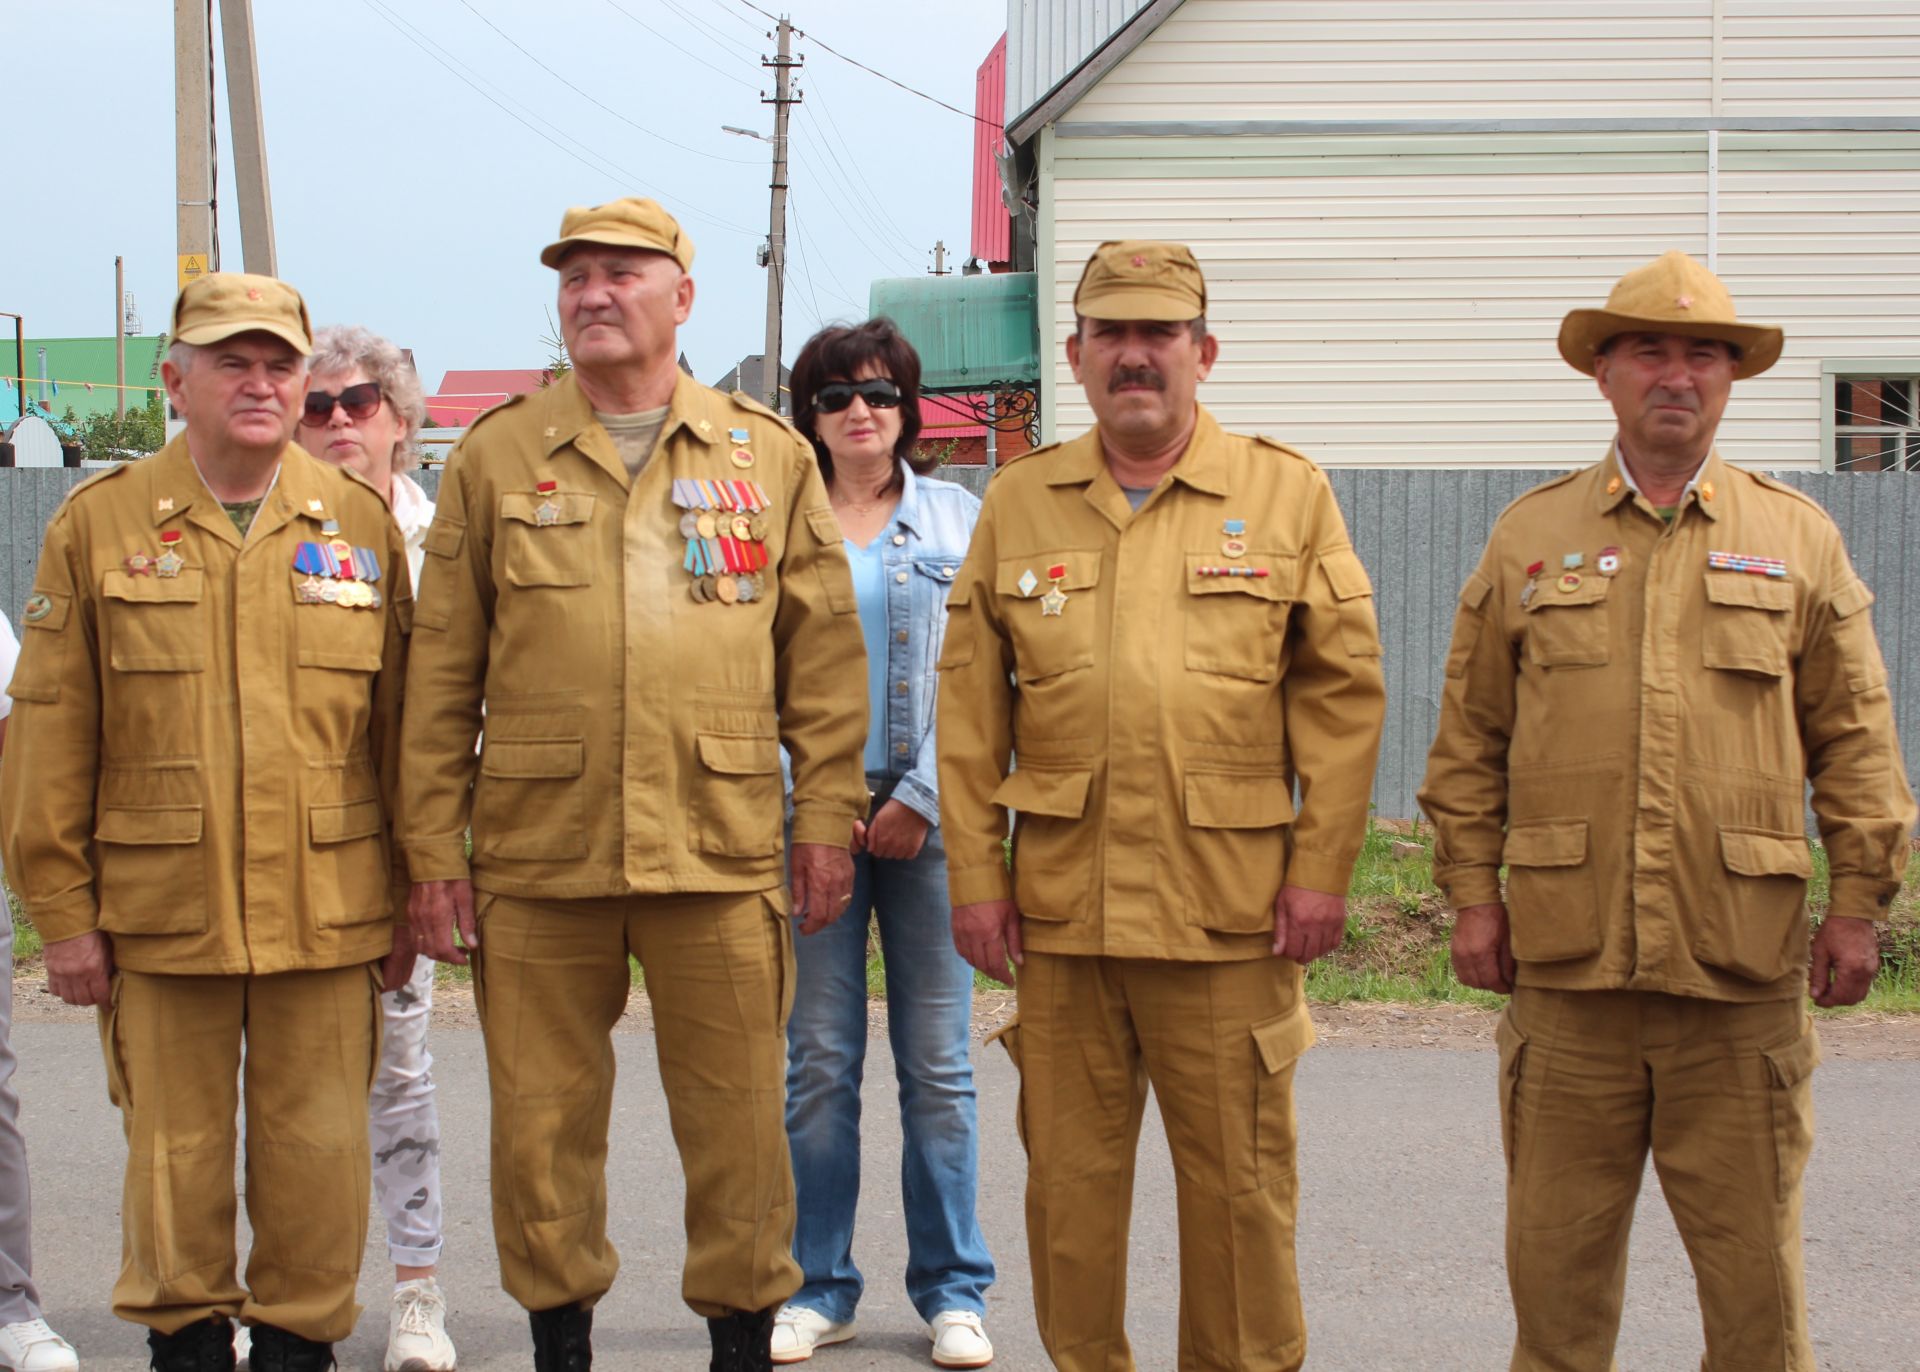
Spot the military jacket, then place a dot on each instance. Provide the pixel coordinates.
(1633, 711)
(639, 676)
(1142, 690)
(203, 760)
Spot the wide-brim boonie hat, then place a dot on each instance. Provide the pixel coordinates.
(221, 304)
(1672, 294)
(631, 222)
(1141, 279)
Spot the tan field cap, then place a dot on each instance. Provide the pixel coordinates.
(630, 222)
(223, 304)
(1672, 294)
(1139, 279)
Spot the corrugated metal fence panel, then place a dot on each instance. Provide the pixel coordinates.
(1419, 533)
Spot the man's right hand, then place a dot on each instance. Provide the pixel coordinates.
(1483, 949)
(987, 935)
(80, 969)
(433, 910)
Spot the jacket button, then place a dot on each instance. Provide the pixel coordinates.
(946, 571)
(899, 539)
(900, 576)
(901, 688)
(901, 637)
(899, 747)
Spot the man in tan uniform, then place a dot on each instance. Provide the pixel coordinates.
(1655, 657)
(196, 808)
(1166, 627)
(643, 581)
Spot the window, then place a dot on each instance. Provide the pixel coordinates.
(1874, 419)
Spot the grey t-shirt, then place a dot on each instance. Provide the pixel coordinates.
(1137, 495)
(634, 435)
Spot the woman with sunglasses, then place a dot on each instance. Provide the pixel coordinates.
(856, 396)
(364, 410)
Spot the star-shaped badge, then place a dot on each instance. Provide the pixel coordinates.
(1684, 302)
(1053, 602)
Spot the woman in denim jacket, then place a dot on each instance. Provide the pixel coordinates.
(856, 395)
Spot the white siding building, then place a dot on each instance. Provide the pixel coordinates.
(1395, 201)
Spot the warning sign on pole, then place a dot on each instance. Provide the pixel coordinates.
(193, 266)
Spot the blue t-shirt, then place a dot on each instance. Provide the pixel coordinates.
(870, 591)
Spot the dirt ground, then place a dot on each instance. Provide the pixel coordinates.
(1855, 1035)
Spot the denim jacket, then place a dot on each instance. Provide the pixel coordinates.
(922, 548)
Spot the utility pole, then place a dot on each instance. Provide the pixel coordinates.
(193, 139)
(249, 138)
(119, 338)
(939, 257)
(783, 96)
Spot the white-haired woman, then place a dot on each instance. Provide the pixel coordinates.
(364, 410)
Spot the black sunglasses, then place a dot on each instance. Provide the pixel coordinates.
(358, 401)
(835, 396)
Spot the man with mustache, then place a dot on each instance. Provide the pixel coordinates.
(1165, 626)
(196, 799)
(1655, 657)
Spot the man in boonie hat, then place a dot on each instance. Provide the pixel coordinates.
(1166, 625)
(643, 581)
(196, 802)
(1654, 659)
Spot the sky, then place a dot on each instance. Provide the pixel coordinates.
(421, 153)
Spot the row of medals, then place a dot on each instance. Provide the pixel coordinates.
(347, 584)
(725, 525)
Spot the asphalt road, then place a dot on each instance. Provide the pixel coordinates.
(1400, 1232)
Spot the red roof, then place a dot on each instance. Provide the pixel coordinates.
(992, 225)
(951, 416)
(463, 395)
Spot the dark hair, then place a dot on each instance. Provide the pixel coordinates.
(835, 354)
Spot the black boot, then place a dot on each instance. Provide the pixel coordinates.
(203, 1346)
(742, 1341)
(277, 1350)
(562, 1339)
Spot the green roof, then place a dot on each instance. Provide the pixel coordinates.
(972, 332)
(74, 363)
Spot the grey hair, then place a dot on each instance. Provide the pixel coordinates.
(349, 347)
(181, 355)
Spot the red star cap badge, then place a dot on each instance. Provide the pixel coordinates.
(1139, 260)
(253, 293)
(1685, 302)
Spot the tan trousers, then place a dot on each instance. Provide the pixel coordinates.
(173, 1049)
(1218, 1042)
(553, 982)
(1722, 1094)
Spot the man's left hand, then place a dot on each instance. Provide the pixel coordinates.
(897, 832)
(822, 884)
(1307, 924)
(396, 968)
(1846, 956)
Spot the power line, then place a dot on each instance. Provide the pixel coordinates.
(720, 39)
(670, 43)
(879, 203)
(806, 267)
(861, 201)
(734, 14)
(472, 79)
(830, 290)
(892, 81)
(698, 152)
(877, 253)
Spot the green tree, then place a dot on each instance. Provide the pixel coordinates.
(105, 438)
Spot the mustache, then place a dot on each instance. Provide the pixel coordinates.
(1685, 402)
(1135, 376)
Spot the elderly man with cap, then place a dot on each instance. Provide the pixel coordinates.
(1656, 657)
(643, 581)
(196, 804)
(1165, 628)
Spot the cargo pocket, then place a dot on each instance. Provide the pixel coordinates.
(780, 931)
(1853, 636)
(1008, 1037)
(151, 871)
(736, 807)
(1746, 623)
(1551, 904)
(110, 1047)
(1756, 922)
(1052, 849)
(526, 804)
(1048, 646)
(1353, 598)
(1568, 628)
(476, 953)
(1238, 824)
(555, 550)
(1513, 1060)
(1790, 1099)
(155, 624)
(351, 872)
(1235, 624)
(1278, 1044)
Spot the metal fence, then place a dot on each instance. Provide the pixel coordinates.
(1419, 533)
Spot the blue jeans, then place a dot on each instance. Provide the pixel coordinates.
(929, 1009)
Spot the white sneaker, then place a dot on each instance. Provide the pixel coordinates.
(797, 1331)
(959, 1340)
(29, 1346)
(242, 1346)
(417, 1329)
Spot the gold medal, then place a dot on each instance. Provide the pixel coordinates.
(757, 528)
(742, 458)
(1234, 547)
(697, 591)
(709, 587)
(1569, 583)
(724, 589)
(707, 525)
(742, 528)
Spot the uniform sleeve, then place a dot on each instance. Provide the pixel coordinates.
(1465, 791)
(1861, 800)
(389, 689)
(975, 715)
(53, 745)
(820, 665)
(1333, 698)
(446, 682)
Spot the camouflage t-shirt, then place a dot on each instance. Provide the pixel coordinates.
(241, 512)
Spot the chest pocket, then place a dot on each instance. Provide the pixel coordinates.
(156, 623)
(1568, 628)
(1236, 624)
(1746, 624)
(1045, 645)
(933, 581)
(557, 552)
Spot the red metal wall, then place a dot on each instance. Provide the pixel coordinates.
(992, 227)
